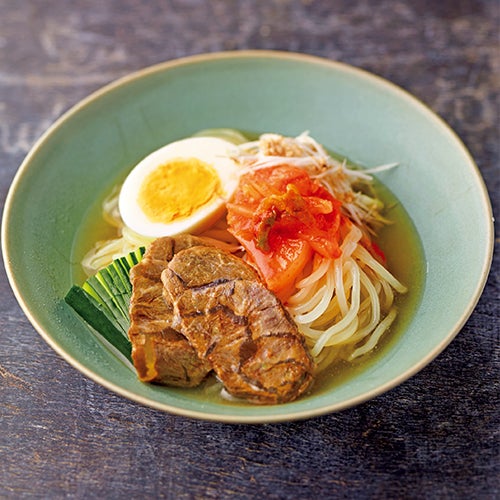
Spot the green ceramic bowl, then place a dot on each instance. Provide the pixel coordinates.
(360, 115)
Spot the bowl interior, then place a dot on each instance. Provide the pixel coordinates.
(354, 113)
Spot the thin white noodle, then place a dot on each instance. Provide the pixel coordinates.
(327, 292)
(311, 334)
(387, 294)
(326, 359)
(94, 259)
(307, 286)
(344, 335)
(373, 300)
(359, 318)
(223, 245)
(353, 310)
(350, 334)
(339, 286)
(310, 304)
(348, 247)
(351, 242)
(329, 316)
(316, 274)
(301, 296)
(134, 239)
(375, 337)
(365, 256)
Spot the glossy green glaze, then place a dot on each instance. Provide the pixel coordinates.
(348, 110)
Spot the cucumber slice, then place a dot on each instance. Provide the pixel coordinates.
(103, 301)
(95, 315)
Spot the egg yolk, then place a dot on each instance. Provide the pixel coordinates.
(178, 188)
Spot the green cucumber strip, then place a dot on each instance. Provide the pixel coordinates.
(114, 285)
(105, 297)
(103, 300)
(90, 310)
(122, 271)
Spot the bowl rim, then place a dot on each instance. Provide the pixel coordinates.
(265, 55)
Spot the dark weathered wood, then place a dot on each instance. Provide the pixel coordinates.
(433, 437)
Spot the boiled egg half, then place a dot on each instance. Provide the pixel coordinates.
(179, 188)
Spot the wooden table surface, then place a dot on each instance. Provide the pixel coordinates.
(435, 436)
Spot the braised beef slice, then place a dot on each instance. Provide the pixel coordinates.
(238, 325)
(159, 352)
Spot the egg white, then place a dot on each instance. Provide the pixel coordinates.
(211, 150)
